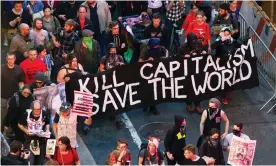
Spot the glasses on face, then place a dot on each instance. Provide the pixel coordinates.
(38, 82)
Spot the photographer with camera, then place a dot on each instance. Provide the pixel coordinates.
(17, 155)
(225, 45)
(193, 47)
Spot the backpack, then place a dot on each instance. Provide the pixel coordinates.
(16, 99)
(145, 146)
(142, 147)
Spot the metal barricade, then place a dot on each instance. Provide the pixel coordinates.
(266, 61)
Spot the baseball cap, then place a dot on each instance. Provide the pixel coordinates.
(64, 107)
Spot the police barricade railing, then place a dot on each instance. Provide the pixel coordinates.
(266, 61)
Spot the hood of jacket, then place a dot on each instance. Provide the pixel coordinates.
(178, 119)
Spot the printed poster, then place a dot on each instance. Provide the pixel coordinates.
(83, 103)
(51, 146)
(61, 89)
(241, 151)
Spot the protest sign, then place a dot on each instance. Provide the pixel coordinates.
(49, 97)
(176, 79)
(51, 146)
(241, 151)
(83, 103)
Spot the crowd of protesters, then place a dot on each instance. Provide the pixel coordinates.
(49, 39)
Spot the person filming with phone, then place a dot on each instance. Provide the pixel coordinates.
(17, 155)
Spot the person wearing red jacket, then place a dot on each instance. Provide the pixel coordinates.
(191, 17)
(202, 30)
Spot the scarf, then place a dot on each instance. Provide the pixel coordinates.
(88, 42)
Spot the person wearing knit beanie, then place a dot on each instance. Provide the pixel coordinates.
(211, 118)
(151, 155)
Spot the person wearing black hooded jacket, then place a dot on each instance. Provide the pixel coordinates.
(175, 141)
(193, 47)
(18, 104)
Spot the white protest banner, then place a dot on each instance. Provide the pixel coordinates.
(83, 103)
(61, 90)
(49, 97)
(241, 151)
(51, 146)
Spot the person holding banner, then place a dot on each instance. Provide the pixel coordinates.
(40, 81)
(192, 47)
(237, 131)
(65, 123)
(153, 51)
(71, 67)
(109, 61)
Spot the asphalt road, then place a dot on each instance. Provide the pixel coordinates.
(244, 107)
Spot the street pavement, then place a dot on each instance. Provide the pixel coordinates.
(244, 107)
(95, 147)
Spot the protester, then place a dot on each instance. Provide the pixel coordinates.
(99, 12)
(211, 147)
(225, 18)
(82, 22)
(39, 35)
(17, 155)
(64, 40)
(50, 22)
(72, 66)
(17, 106)
(46, 58)
(17, 16)
(211, 118)
(202, 30)
(65, 154)
(112, 59)
(175, 141)
(31, 66)
(191, 158)
(32, 123)
(12, 79)
(107, 62)
(41, 81)
(190, 18)
(115, 36)
(130, 8)
(20, 43)
(234, 10)
(155, 6)
(193, 47)
(150, 53)
(66, 10)
(157, 30)
(88, 52)
(35, 8)
(65, 124)
(237, 131)
(120, 156)
(151, 155)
